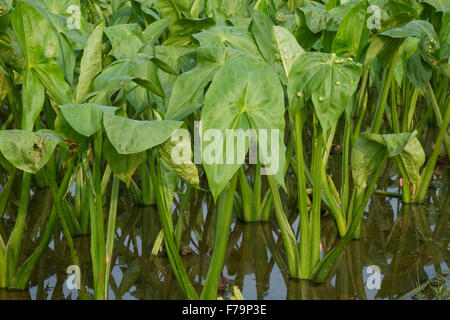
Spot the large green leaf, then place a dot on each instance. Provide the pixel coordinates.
(188, 89)
(369, 150)
(26, 150)
(244, 94)
(133, 136)
(235, 37)
(91, 62)
(122, 165)
(140, 66)
(444, 36)
(126, 40)
(86, 118)
(287, 47)
(413, 158)
(419, 29)
(154, 30)
(261, 27)
(318, 19)
(439, 5)
(353, 33)
(40, 47)
(328, 80)
(186, 170)
(367, 155)
(33, 95)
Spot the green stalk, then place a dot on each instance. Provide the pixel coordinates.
(316, 164)
(169, 239)
(410, 108)
(381, 103)
(322, 270)
(50, 174)
(289, 240)
(180, 221)
(247, 197)
(98, 218)
(345, 189)
(111, 230)
(427, 172)
(15, 239)
(437, 112)
(223, 224)
(23, 275)
(147, 186)
(395, 121)
(329, 144)
(4, 197)
(304, 247)
(257, 192)
(92, 210)
(360, 119)
(105, 180)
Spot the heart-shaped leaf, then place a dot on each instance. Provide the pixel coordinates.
(133, 136)
(245, 94)
(26, 150)
(328, 80)
(86, 118)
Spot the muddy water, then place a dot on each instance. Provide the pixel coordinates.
(408, 244)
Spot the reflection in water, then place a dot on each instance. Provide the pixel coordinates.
(409, 243)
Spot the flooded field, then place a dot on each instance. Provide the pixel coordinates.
(409, 244)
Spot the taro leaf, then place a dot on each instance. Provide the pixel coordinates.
(91, 62)
(186, 170)
(235, 37)
(261, 27)
(419, 29)
(122, 165)
(65, 8)
(133, 136)
(36, 37)
(287, 47)
(396, 143)
(234, 7)
(439, 5)
(418, 72)
(26, 150)
(126, 40)
(63, 128)
(328, 80)
(444, 36)
(187, 90)
(369, 150)
(173, 9)
(216, 56)
(383, 48)
(245, 94)
(53, 80)
(140, 67)
(367, 155)
(33, 96)
(86, 118)
(353, 34)
(186, 27)
(413, 158)
(318, 19)
(154, 30)
(40, 47)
